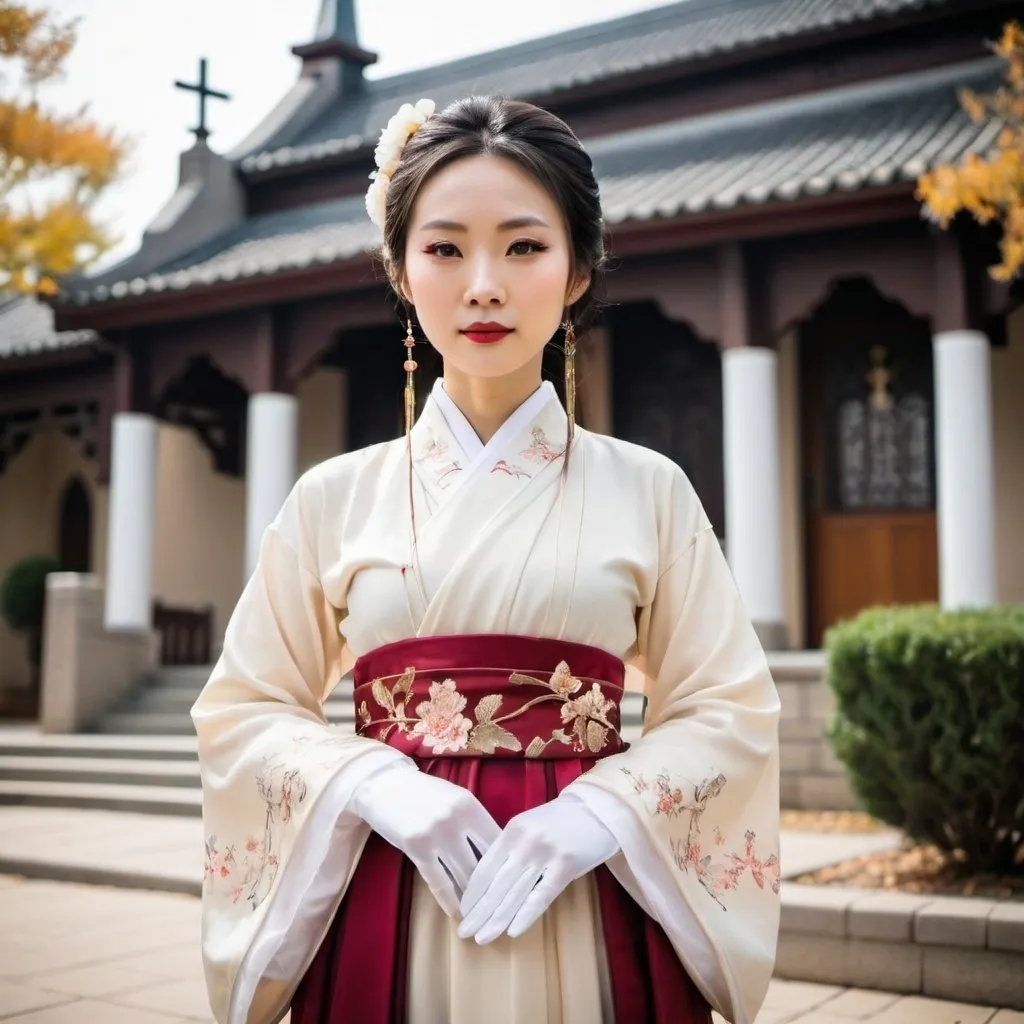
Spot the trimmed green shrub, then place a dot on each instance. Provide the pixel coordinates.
(23, 592)
(930, 725)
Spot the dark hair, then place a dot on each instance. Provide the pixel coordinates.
(537, 141)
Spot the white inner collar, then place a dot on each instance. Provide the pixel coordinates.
(466, 436)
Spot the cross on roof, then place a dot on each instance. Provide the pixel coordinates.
(201, 132)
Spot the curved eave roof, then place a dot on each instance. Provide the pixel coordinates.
(843, 141)
(689, 32)
(26, 329)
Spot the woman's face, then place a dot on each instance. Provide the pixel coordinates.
(488, 248)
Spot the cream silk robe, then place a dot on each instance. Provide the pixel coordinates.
(617, 554)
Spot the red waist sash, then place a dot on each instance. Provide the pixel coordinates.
(514, 720)
(491, 696)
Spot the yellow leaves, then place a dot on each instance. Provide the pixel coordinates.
(35, 38)
(1011, 42)
(33, 140)
(973, 104)
(53, 167)
(991, 187)
(37, 247)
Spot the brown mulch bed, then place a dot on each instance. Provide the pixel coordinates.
(830, 821)
(914, 868)
(919, 869)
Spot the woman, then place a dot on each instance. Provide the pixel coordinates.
(485, 846)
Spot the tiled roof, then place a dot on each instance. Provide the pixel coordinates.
(678, 33)
(260, 246)
(26, 328)
(858, 137)
(870, 135)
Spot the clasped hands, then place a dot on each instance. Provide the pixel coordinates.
(498, 881)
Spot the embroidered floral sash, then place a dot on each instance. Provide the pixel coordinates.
(491, 696)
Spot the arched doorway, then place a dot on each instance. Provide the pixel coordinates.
(867, 411)
(75, 541)
(668, 396)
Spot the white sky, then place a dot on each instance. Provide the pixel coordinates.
(130, 52)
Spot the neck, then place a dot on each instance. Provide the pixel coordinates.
(487, 402)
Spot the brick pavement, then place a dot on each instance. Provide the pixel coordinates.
(154, 851)
(78, 954)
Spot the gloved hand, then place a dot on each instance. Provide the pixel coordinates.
(432, 821)
(539, 853)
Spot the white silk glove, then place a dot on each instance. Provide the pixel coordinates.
(539, 853)
(433, 822)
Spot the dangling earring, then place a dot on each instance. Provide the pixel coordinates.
(410, 383)
(570, 379)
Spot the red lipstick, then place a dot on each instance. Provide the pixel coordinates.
(486, 333)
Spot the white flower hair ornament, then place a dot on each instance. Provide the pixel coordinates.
(388, 153)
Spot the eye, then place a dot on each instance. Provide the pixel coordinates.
(516, 248)
(446, 250)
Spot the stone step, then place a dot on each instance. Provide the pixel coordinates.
(154, 723)
(100, 770)
(179, 702)
(26, 743)
(188, 676)
(177, 800)
(178, 723)
(159, 699)
(797, 666)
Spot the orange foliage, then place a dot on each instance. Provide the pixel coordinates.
(53, 167)
(990, 187)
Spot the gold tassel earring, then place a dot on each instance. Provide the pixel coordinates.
(410, 382)
(570, 379)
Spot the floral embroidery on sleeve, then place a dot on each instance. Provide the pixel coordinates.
(249, 872)
(717, 876)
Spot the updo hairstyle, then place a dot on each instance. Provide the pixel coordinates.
(536, 140)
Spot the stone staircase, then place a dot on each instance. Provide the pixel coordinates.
(141, 756)
(143, 774)
(160, 706)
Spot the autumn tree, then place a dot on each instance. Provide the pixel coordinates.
(990, 187)
(53, 167)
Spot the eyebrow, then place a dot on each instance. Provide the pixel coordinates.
(528, 221)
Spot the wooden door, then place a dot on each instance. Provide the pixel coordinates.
(667, 395)
(869, 466)
(75, 539)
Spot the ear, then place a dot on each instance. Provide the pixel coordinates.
(400, 285)
(578, 290)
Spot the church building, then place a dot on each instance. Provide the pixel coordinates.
(841, 380)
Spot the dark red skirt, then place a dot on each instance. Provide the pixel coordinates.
(359, 974)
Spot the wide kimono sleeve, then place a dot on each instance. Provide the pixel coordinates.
(694, 803)
(281, 842)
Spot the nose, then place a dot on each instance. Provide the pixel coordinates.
(484, 287)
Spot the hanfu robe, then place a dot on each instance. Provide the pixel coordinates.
(616, 553)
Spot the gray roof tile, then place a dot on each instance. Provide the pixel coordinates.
(839, 141)
(260, 246)
(842, 141)
(26, 328)
(674, 34)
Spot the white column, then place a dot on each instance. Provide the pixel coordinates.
(964, 466)
(130, 521)
(753, 516)
(270, 465)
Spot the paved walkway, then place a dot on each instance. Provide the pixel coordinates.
(152, 851)
(138, 962)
